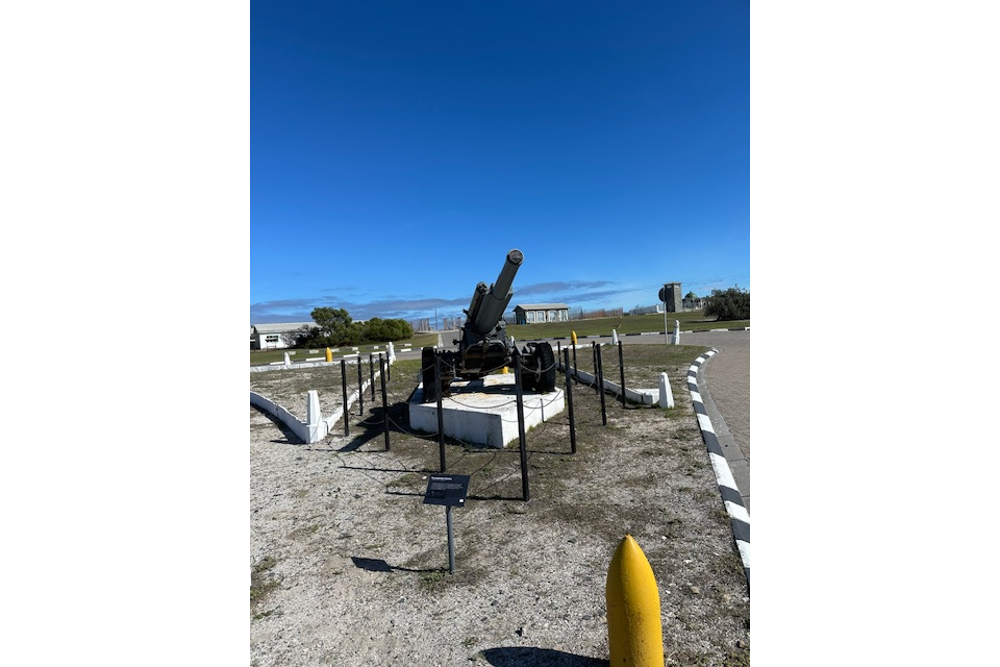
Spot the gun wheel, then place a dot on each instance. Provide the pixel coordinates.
(545, 363)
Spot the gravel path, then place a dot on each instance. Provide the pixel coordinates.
(349, 562)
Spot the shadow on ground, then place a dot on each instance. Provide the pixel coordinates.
(530, 656)
(379, 565)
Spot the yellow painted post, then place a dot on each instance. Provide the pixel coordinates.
(329, 355)
(635, 632)
(573, 337)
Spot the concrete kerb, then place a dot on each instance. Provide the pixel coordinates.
(316, 427)
(739, 517)
(640, 396)
(646, 333)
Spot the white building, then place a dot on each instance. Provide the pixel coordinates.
(275, 336)
(534, 313)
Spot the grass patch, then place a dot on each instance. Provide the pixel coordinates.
(262, 584)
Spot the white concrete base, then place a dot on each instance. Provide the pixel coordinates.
(484, 412)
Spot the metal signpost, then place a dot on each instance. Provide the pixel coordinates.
(450, 491)
(663, 298)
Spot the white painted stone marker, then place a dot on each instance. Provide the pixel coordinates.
(614, 337)
(677, 332)
(288, 360)
(313, 415)
(666, 396)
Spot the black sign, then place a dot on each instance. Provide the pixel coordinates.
(447, 490)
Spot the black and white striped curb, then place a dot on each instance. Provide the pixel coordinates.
(648, 333)
(739, 517)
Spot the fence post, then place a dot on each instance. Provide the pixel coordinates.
(600, 386)
(385, 401)
(371, 373)
(594, 351)
(520, 428)
(569, 399)
(361, 391)
(621, 366)
(343, 382)
(440, 409)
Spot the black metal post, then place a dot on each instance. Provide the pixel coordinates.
(361, 391)
(600, 386)
(371, 373)
(520, 427)
(593, 351)
(621, 366)
(440, 409)
(343, 382)
(385, 402)
(569, 399)
(574, 358)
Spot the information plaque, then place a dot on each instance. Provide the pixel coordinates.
(448, 490)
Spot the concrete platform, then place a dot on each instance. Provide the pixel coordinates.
(484, 412)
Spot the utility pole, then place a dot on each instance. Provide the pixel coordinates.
(663, 298)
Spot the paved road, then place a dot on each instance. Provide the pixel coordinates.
(724, 384)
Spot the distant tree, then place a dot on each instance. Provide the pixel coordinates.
(729, 304)
(335, 327)
(377, 330)
(292, 338)
(310, 337)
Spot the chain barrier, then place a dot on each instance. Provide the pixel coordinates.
(395, 399)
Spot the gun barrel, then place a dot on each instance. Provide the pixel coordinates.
(477, 298)
(490, 307)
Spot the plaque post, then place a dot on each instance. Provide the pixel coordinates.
(451, 541)
(450, 491)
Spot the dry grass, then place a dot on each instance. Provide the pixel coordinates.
(346, 519)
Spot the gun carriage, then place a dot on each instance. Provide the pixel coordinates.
(485, 347)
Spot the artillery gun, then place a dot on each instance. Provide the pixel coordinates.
(484, 347)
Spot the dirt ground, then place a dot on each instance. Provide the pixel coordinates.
(350, 567)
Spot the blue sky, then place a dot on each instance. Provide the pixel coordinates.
(400, 149)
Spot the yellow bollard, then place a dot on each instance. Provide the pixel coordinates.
(505, 370)
(635, 632)
(573, 337)
(329, 355)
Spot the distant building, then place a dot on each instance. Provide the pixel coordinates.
(535, 313)
(275, 336)
(697, 303)
(671, 295)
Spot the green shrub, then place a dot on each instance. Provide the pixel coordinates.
(729, 304)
